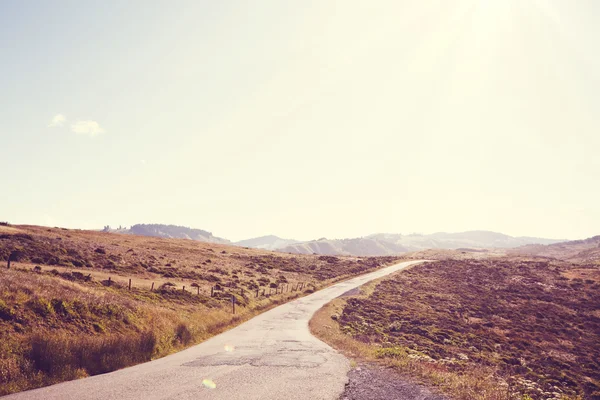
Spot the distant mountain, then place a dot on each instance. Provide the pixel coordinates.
(269, 242)
(475, 239)
(587, 250)
(379, 244)
(356, 247)
(172, 232)
(390, 243)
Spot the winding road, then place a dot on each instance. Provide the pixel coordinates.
(272, 356)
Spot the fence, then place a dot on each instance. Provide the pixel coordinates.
(215, 290)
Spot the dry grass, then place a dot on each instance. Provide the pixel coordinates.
(472, 384)
(407, 322)
(62, 321)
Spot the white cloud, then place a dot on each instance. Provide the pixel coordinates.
(143, 162)
(90, 128)
(57, 120)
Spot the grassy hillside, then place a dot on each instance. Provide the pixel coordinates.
(481, 329)
(66, 309)
(582, 251)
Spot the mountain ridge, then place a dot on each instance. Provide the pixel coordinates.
(389, 243)
(584, 250)
(267, 242)
(376, 244)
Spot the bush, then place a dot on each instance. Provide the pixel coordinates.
(391, 352)
(6, 313)
(167, 286)
(183, 334)
(41, 306)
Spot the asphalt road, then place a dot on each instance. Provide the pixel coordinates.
(272, 356)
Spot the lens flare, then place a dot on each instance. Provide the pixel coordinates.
(229, 348)
(209, 383)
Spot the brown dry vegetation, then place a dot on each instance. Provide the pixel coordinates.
(60, 320)
(480, 329)
(585, 251)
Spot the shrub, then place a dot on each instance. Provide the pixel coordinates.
(61, 307)
(391, 352)
(211, 278)
(183, 334)
(167, 285)
(6, 313)
(262, 281)
(41, 306)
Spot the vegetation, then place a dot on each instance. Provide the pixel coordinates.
(481, 329)
(66, 310)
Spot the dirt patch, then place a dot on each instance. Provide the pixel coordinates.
(370, 381)
(351, 292)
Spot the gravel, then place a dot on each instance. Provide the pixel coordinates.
(374, 382)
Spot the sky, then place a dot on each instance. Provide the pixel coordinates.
(302, 119)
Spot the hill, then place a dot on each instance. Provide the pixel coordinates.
(76, 303)
(587, 250)
(358, 246)
(387, 244)
(269, 242)
(489, 329)
(171, 232)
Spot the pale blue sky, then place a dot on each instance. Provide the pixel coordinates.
(303, 118)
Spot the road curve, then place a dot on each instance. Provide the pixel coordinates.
(274, 357)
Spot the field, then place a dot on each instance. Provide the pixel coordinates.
(67, 311)
(503, 328)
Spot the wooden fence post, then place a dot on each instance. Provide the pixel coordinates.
(256, 293)
(198, 287)
(152, 288)
(109, 282)
(13, 256)
(129, 283)
(233, 304)
(183, 290)
(212, 291)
